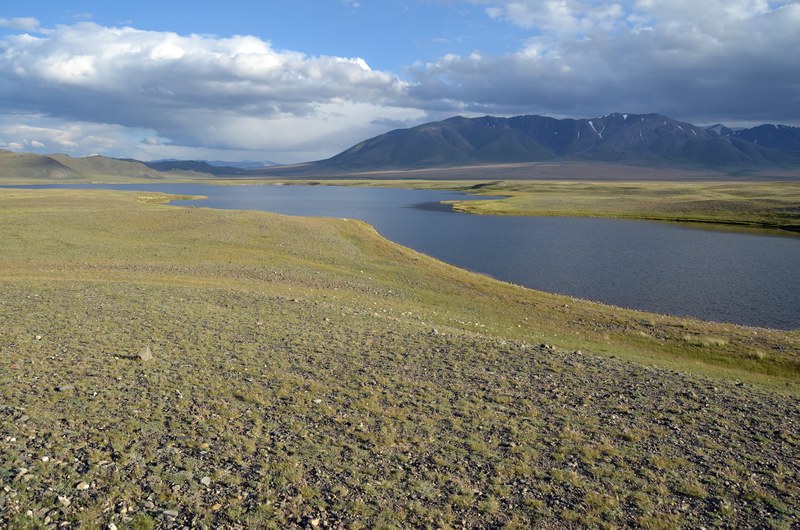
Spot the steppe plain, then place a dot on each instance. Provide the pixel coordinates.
(308, 372)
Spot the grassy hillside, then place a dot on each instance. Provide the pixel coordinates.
(104, 169)
(308, 372)
(30, 168)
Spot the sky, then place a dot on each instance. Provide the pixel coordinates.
(300, 80)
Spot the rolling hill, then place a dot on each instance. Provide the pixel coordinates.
(29, 166)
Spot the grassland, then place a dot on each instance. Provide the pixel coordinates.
(308, 372)
(773, 205)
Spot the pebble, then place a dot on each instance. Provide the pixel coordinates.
(82, 486)
(112, 526)
(64, 500)
(205, 481)
(317, 401)
(171, 513)
(64, 388)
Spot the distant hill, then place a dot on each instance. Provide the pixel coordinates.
(26, 166)
(30, 166)
(244, 164)
(633, 139)
(196, 166)
(103, 166)
(217, 168)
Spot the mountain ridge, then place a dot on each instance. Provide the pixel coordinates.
(636, 139)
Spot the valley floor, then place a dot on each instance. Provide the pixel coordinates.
(307, 372)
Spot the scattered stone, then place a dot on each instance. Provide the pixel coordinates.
(171, 513)
(64, 388)
(317, 401)
(149, 505)
(82, 486)
(315, 522)
(217, 507)
(145, 354)
(205, 481)
(45, 459)
(38, 337)
(112, 526)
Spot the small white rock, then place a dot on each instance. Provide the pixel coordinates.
(205, 481)
(82, 486)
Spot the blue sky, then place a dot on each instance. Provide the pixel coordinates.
(388, 34)
(302, 80)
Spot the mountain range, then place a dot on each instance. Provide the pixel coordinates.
(618, 142)
(631, 139)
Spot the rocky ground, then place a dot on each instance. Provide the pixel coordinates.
(267, 411)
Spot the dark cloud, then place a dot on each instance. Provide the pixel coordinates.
(737, 60)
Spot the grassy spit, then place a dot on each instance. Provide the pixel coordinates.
(757, 204)
(309, 372)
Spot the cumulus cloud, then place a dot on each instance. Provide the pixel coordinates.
(717, 59)
(236, 92)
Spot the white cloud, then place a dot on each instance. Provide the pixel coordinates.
(22, 24)
(236, 93)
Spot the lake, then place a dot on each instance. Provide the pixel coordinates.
(667, 268)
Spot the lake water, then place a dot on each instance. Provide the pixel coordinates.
(668, 268)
